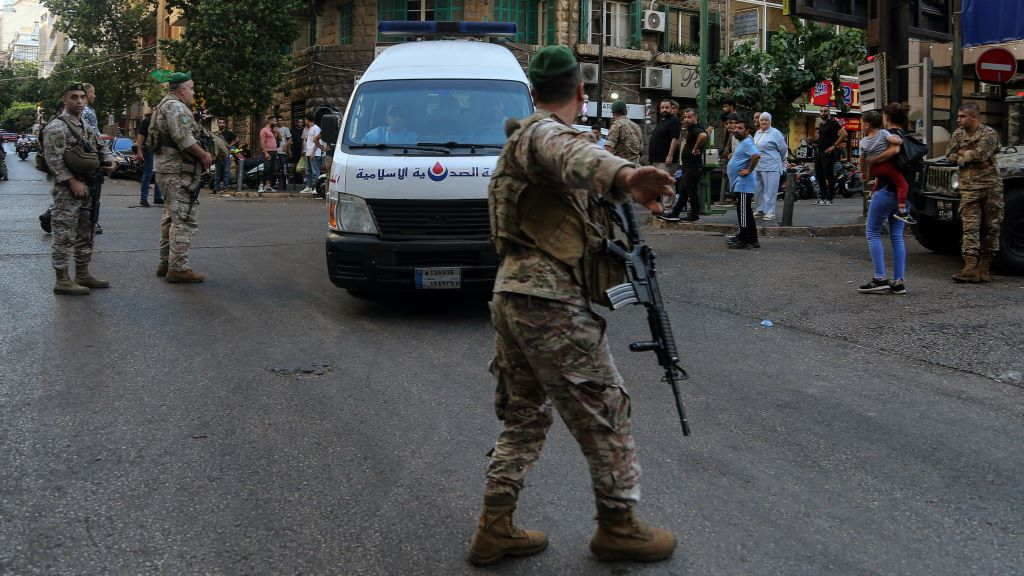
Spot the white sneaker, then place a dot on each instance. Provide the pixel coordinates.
(306, 191)
(768, 217)
(260, 190)
(270, 189)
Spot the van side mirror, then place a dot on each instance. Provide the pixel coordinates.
(330, 126)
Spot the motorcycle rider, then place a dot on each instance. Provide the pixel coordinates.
(22, 146)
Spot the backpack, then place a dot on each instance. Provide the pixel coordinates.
(912, 152)
(79, 157)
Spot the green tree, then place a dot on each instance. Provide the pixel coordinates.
(796, 59)
(19, 117)
(20, 82)
(233, 50)
(107, 53)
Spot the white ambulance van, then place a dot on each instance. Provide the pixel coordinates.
(414, 153)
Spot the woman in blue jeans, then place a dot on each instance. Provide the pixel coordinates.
(881, 209)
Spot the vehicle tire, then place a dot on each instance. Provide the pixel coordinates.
(1010, 259)
(937, 236)
(362, 293)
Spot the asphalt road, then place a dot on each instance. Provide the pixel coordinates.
(266, 422)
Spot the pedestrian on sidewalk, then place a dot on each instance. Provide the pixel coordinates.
(268, 142)
(313, 149)
(773, 149)
(691, 159)
(284, 144)
(551, 348)
(744, 184)
(665, 136)
(882, 210)
(145, 157)
(222, 178)
(831, 137)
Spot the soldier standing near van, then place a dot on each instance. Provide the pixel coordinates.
(73, 156)
(174, 135)
(551, 347)
(624, 137)
(973, 148)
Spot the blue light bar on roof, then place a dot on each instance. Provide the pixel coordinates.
(442, 28)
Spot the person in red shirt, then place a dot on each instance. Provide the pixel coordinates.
(268, 142)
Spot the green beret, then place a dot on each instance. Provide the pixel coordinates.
(170, 76)
(74, 86)
(618, 107)
(551, 62)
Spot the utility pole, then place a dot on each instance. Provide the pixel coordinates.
(705, 72)
(956, 89)
(600, 62)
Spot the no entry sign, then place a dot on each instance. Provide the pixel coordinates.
(996, 66)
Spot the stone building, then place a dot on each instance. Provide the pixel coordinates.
(646, 56)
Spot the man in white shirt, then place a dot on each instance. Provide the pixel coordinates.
(313, 150)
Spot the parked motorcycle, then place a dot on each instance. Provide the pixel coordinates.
(805, 184)
(848, 182)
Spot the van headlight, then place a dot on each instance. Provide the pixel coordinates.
(954, 181)
(352, 215)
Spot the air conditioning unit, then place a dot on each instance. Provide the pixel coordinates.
(588, 72)
(654, 21)
(657, 78)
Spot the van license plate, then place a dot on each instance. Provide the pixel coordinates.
(438, 278)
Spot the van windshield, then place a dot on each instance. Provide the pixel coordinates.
(455, 115)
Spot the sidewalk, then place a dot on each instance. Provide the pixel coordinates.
(843, 218)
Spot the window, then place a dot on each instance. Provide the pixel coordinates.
(526, 15)
(420, 10)
(454, 112)
(345, 23)
(618, 31)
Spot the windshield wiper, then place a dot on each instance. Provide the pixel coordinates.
(453, 144)
(401, 147)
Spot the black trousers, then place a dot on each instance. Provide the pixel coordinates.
(824, 171)
(689, 195)
(745, 215)
(95, 189)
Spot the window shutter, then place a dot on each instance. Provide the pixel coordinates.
(391, 10)
(551, 9)
(345, 23)
(448, 9)
(584, 22)
(635, 19)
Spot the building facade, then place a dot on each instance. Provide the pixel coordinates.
(646, 56)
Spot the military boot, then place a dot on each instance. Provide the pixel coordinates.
(969, 273)
(985, 267)
(161, 270)
(621, 537)
(184, 277)
(65, 285)
(84, 278)
(497, 536)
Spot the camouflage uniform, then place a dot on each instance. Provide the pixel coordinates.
(981, 189)
(551, 347)
(624, 139)
(173, 129)
(71, 218)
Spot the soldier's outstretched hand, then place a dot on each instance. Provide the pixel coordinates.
(648, 185)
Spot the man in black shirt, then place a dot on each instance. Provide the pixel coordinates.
(145, 156)
(665, 136)
(831, 137)
(691, 159)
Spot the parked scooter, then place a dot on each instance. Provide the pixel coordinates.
(848, 180)
(805, 184)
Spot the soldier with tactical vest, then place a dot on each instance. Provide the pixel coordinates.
(549, 227)
(973, 147)
(180, 160)
(73, 156)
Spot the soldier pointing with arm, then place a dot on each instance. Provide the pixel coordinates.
(174, 135)
(549, 229)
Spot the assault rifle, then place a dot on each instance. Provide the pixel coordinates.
(205, 140)
(641, 287)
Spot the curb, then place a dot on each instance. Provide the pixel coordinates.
(768, 231)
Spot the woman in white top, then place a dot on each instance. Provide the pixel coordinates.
(774, 150)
